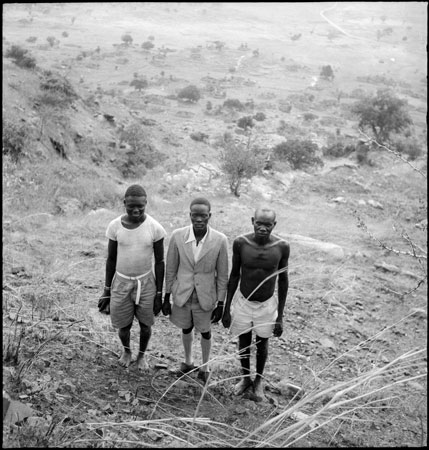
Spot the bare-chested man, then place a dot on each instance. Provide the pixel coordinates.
(257, 256)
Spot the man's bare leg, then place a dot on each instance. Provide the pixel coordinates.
(244, 342)
(145, 334)
(124, 336)
(261, 359)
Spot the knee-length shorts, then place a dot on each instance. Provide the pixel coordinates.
(256, 316)
(123, 306)
(191, 314)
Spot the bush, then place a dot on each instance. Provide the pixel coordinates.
(21, 57)
(260, 116)
(407, 146)
(57, 89)
(65, 34)
(190, 93)
(139, 84)
(310, 116)
(199, 136)
(299, 154)
(338, 150)
(327, 73)
(32, 39)
(233, 103)
(245, 122)
(147, 45)
(14, 139)
(51, 40)
(126, 39)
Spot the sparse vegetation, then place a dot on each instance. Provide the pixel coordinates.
(327, 73)
(245, 122)
(14, 139)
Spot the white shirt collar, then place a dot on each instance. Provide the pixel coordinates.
(192, 237)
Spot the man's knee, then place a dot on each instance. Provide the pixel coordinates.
(187, 330)
(207, 335)
(145, 328)
(261, 345)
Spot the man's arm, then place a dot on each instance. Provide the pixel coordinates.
(221, 280)
(170, 273)
(234, 279)
(158, 251)
(283, 286)
(112, 253)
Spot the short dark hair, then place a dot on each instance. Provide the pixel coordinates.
(200, 201)
(135, 190)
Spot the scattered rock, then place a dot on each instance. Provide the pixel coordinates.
(375, 204)
(419, 312)
(339, 200)
(327, 343)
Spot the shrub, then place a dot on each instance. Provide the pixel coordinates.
(21, 57)
(209, 106)
(407, 146)
(142, 154)
(245, 122)
(139, 84)
(260, 116)
(338, 150)
(58, 90)
(199, 136)
(309, 116)
(32, 39)
(147, 45)
(126, 39)
(300, 154)
(65, 34)
(190, 93)
(233, 103)
(14, 138)
(327, 73)
(51, 40)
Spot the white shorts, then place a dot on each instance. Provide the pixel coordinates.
(256, 316)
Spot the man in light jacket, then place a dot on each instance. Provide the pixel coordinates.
(196, 278)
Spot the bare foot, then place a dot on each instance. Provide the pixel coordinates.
(125, 359)
(242, 386)
(258, 391)
(142, 364)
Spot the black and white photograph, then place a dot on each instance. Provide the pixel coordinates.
(214, 224)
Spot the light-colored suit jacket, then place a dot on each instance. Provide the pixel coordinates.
(209, 275)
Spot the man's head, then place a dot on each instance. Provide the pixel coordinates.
(264, 221)
(200, 214)
(135, 202)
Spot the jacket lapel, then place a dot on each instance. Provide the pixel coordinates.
(188, 247)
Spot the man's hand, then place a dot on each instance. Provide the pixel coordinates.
(166, 306)
(278, 328)
(104, 302)
(217, 313)
(157, 303)
(226, 318)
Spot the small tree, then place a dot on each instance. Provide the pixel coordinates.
(299, 154)
(239, 161)
(127, 39)
(139, 84)
(14, 139)
(233, 103)
(383, 114)
(245, 122)
(147, 45)
(189, 93)
(51, 40)
(327, 73)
